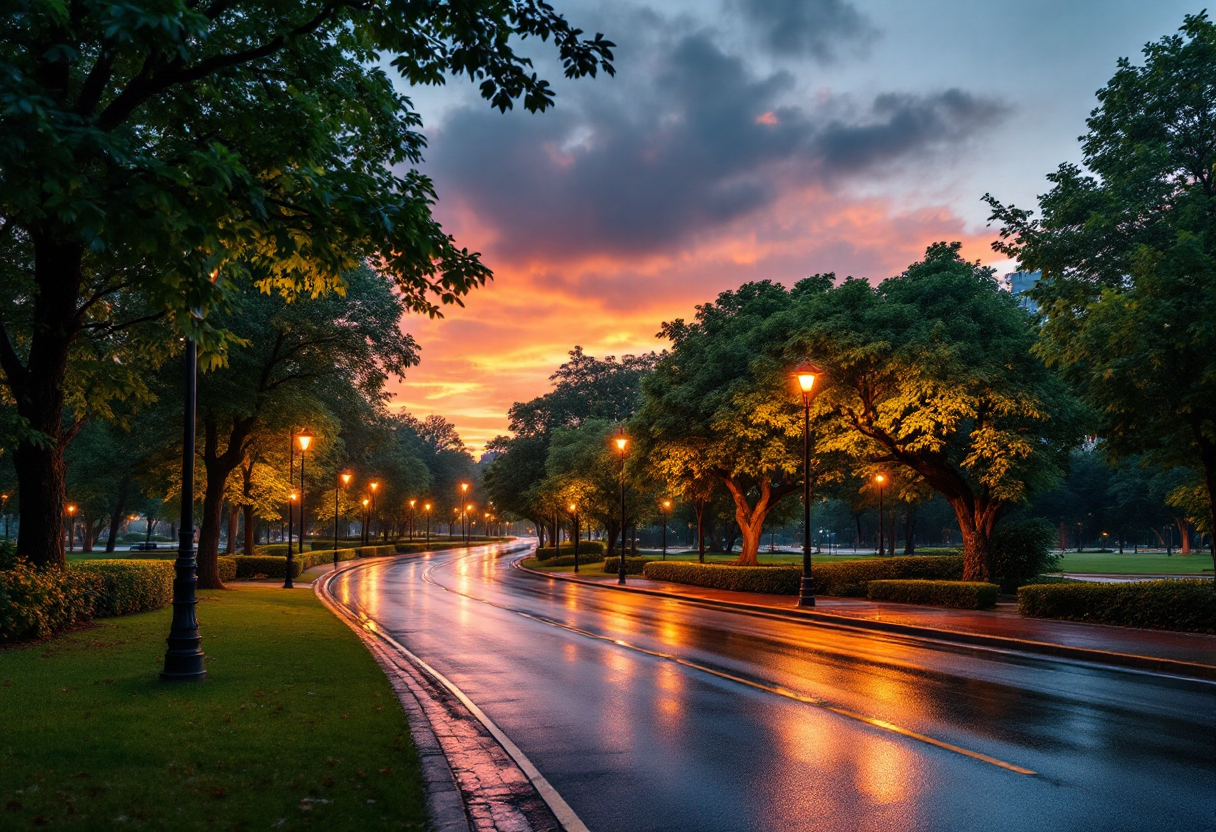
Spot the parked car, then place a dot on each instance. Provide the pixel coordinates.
(144, 547)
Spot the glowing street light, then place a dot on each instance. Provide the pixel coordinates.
(304, 439)
(881, 480)
(412, 504)
(573, 509)
(345, 481)
(665, 512)
(426, 509)
(622, 447)
(71, 527)
(806, 373)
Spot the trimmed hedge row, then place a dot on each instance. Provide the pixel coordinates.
(265, 566)
(583, 560)
(1186, 605)
(963, 595)
(271, 550)
(585, 548)
(227, 568)
(633, 566)
(37, 603)
(128, 586)
(774, 580)
(850, 579)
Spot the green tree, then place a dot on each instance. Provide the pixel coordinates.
(933, 372)
(149, 147)
(1128, 254)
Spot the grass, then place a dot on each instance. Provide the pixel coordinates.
(295, 728)
(1113, 563)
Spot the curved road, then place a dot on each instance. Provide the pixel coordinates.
(654, 714)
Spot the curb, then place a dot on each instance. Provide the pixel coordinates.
(1175, 667)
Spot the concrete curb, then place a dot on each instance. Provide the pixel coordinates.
(1189, 670)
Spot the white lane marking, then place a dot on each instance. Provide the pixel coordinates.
(773, 689)
(566, 816)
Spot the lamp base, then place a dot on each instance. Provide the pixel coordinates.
(806, 593)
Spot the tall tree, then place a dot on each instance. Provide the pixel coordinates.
(1128, 254)
(148, 147)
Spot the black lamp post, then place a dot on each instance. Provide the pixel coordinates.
(184, 657)
(881, 480)
(464, 492)
(71, 528)
(665, 512)
(291, 475)
(372, 518)
(304, 437)
(426, 509)
(622, 444)
(4, 503)
(806, 373)
(574, 521)
(345, 481)
(412, 504)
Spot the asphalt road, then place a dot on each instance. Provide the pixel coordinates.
(652, 714)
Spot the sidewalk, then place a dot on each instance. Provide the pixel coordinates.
(1185, 654)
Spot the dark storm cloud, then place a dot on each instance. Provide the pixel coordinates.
(814, 28)
(638, 167)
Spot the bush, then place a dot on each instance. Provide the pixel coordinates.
(583, 560)
(1021, 551)
(1186, 605)
(585, 548)
(280, 549)
(36, 603)
(260, 566)
(8, 555)
(379, 550)
(318, 557)
(633, 566)
(773, 580)
(964, 595)
(850, 579)
(128, 586)
(227, 568)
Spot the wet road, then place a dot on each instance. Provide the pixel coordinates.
(652, 714)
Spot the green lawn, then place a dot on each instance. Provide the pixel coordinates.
(1112, 563)
(296, 726)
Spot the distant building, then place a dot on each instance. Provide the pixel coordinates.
(1021, 282)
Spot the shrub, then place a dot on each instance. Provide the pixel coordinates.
(1187, 605)
(260, 566)
(227, 568)
(583, 560)
(280, 549)
(850, 578)
(964, 595)
(36, 603)
(8, 555)
(774, 580)
(1021, 551)
(633, 566)
(318, 557)
(378, 550)
(586, 548)
(128, 586)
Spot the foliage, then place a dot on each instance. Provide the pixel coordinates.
(585, 387)
(1128, 254)
(227, 568)
(36, 603)
(1021, 551)
(851, 578)
(8, 555)
(773, 580)
(932, 372)
(589, 559)
(128, 586)
(259, 566)
(1187, 605)
(586, 548)
(633, 566)
(965, 595)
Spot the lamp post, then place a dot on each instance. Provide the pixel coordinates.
(464, 492)
(345, 481)
(412, 503)
(426, 509)
(304, 437)
(372, 517)
(366, 502)
(4, 503)
(806, 373)
(574, 520)
(881, 480)
(622, 445)
(71, 527)
(291, 475)
(468, 524)
(1104, 537)
(666, 512)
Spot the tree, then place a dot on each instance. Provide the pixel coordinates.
(150, 149)
(1128, 254)
(932, 371)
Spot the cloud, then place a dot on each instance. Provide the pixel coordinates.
(644, 166)
(811, 28)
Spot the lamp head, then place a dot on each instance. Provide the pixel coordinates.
(880, 479)
(464, 488)
(573, 508)
(375, 485)
(346, 479)
(426, 506)
(667, 504)
(365, 502)
(622, 441)
(305, 438)
(292, 496)
(412, 502)
(807, 373)
(72, 508)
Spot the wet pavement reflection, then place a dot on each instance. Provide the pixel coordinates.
(654, 714)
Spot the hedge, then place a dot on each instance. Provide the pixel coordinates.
(850, 578)
(270, 550)
(964, 595)
(128, 586)
(1186, 605)
(259, 566)
(633, 566)
(774, 580)
(583, 560)
(585, 548)
(227, 568)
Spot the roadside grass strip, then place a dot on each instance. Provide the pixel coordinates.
(295, 727)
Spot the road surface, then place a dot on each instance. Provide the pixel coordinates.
(653, 714)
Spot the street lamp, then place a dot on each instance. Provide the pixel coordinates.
(371, 517)
(345, 481)
(574, 515)
(412, 503)
(304, 438)
(666, 512)
(464, 491)
(291, 476)
(468, 524)
(622, 445)
(806, 373)
(881, 480)
(4, 504)
(71, 527)
(426, 509)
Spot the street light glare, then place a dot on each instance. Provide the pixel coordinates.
(806, 373)
(346, 479)
(879, 478)
(305, 438)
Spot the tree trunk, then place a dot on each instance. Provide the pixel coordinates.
(610, 532)
(88, 533)
(699, 507)
(977, 524)
(218, 467)
(251, 524)
(1207, 456)
(120, 509)
(751, 518)
(1184, 534)
(230, 543)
